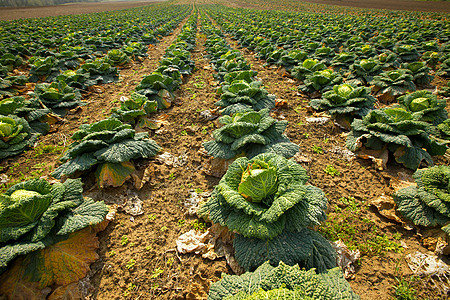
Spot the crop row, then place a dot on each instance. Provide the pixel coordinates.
(36, 215)
(345, 71)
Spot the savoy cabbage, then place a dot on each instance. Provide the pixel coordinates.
(428, 203)
(265, 201)
(282, 282)
(251, 133)
(33, 213)
(396, 130)
(424, 106)
(15, 136)
(241, 95)
(108, 144)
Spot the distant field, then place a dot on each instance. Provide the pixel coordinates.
(410, 5)
(66, 9)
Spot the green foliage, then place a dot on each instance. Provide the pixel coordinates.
(345, 99)
(35, 214)
(396, 130)
(308, 67)
(75, 79)
(252, 133)
(266, 201)
(240, 96)
(159, 87)
(132, 109)
(420, 72)
(58, 96)
(424, 106)
(321, 81)
(106, 141)
(404, 290)
(117, 57)
(364, 70)
(395, 82)
(43, 68)
(428, 203)
(280, 281)
(100, 71)
(15, 136)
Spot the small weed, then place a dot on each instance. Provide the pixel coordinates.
(183, 133)
(181, 222)
(164, 228)
(155, 286)
(317, 149)
(44, 149)
(156, 272)
(198, 225)
(169, 262)
(130, 263)
(152, 217)
(204, 131)
(326, 140)
(306, 135)
(112, 253)
(124, 240)
(403, 289)
(148, 248)
(300, 124)
(172, 176)
(332, 171)
(397, 235)
(198, 190)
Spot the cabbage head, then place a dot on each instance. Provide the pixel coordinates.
(34, 213)
(424, 106)
(15, 136)
(58, 96)
(117, 57)
(132, 109)
(265, 201)
(396, 130)
(251, 133)
(345, 99)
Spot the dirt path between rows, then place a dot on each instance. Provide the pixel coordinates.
(13, 13)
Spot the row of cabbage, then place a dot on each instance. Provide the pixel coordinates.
(345, 70)
(36, 214)
(70, 63)
(263, 197)
(417, 123)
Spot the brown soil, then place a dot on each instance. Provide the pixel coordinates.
(13, 13)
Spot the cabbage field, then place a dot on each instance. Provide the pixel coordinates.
(189, 150)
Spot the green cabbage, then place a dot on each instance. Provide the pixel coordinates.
(266, 202)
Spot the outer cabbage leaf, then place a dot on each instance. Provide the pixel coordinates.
(306, 248)
(304, 284)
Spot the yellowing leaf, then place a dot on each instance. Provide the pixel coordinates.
(64, 262)
(14, 287)
(114, 174)
(66, 292)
